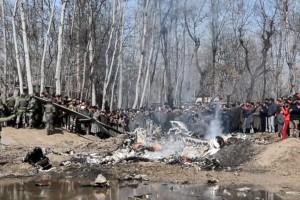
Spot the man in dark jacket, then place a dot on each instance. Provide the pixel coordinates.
(295, 117)
(264, 116)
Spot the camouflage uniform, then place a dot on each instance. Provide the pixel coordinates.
(6, 119)
(21, 107)
(2, 109)
(10, 102)
(72, 119)
(30, 111)
(49, 110)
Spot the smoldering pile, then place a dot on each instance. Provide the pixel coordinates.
(177, 146)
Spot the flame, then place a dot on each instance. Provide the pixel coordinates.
(186, 160)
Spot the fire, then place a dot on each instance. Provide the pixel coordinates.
(156, 147)
(186, 160)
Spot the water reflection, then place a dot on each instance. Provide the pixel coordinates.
(67, 189)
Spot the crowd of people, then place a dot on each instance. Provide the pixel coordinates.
(279, 116)
(31, 113)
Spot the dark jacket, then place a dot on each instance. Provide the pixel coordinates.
(295, 114)
(272, 109)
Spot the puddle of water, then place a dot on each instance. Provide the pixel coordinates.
(72, 190)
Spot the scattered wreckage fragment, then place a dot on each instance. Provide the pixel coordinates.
(37, 158)
(220, 152)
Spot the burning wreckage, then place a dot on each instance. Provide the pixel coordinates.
(177, 146)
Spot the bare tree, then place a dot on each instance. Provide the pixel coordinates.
(120, 60)
(91, 54)
(4, 48)
(165, 54)
(42, 86)
(60, 49)
(196, 21)
(109, 63)
(142, 53)
(291, 34)
(267, 32)
(17, 49)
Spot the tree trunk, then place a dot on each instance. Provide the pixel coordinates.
(42, 86)
(26, 50)
(108, 67)
(59, 49)
(142, 56)
(147, 74)
(113, 88)
(84, 72)
(120, 61)
(4, 49)
(251, 88)
(79, 83)
(91, 55)
(17, 50)
(153, 73)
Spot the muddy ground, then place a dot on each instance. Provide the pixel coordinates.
(275, 167)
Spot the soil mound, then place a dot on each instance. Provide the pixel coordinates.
(236, 154)
(281, 158)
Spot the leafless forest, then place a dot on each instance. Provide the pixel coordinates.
(133, 53)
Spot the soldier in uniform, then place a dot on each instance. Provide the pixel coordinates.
(72, 118)
(11, 102)
(5, 119)
(21, 107)
(49, 111)
(2, 111)
(31, 111)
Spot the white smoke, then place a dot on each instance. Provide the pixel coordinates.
(215, 125)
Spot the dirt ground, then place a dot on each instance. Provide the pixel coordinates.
(274, 168)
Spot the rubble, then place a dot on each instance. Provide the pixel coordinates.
(212, 182)
(101, 181)
(138, 177)
(37, 158)
(140, 197)
(243, 189)
(177, 146)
